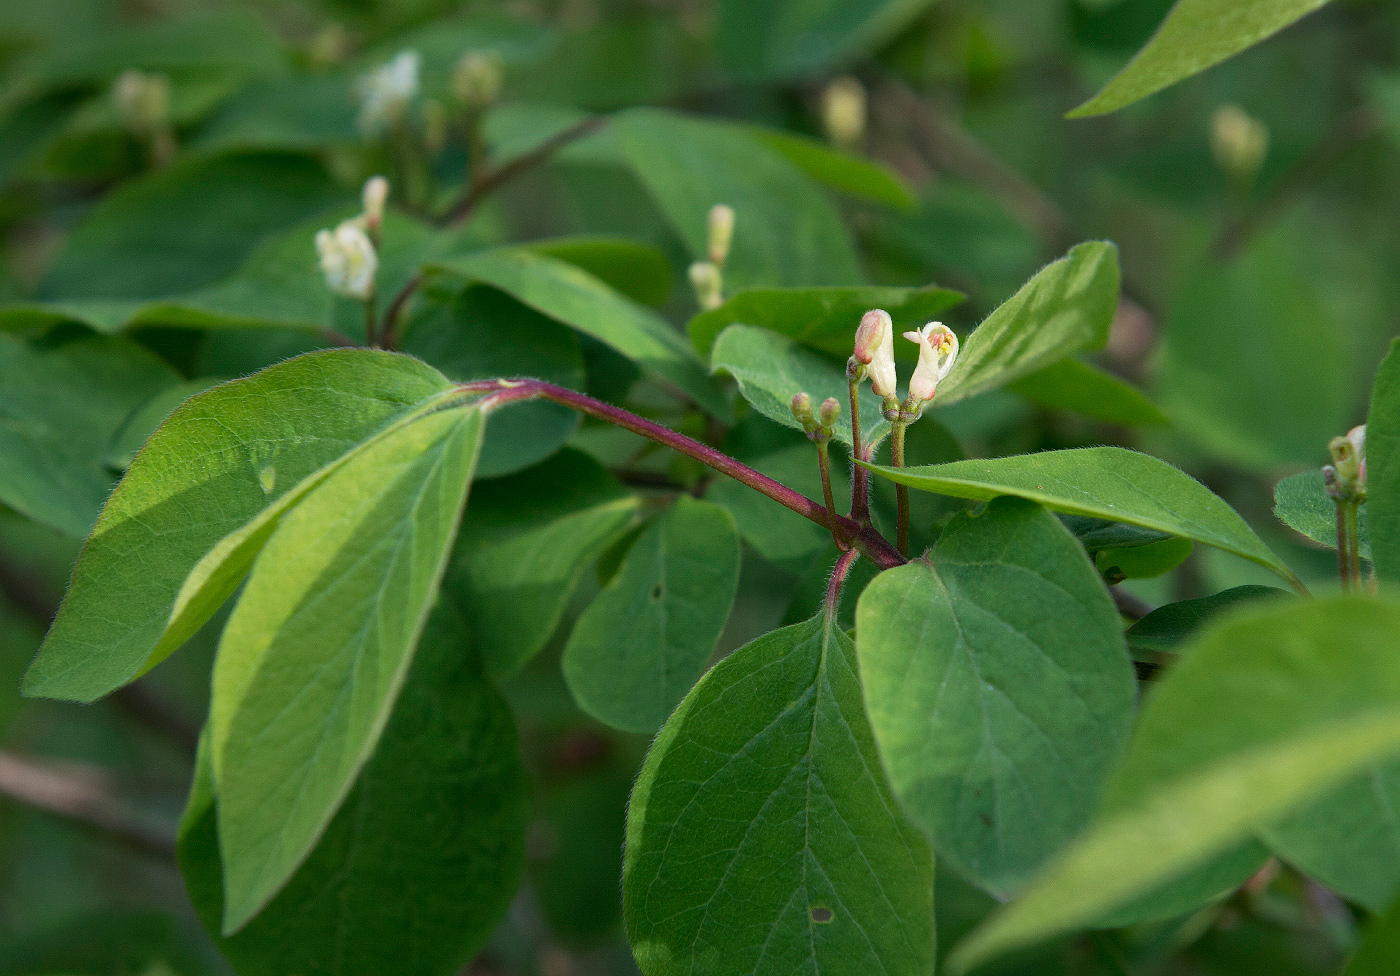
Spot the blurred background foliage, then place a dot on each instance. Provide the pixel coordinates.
(1254, 205)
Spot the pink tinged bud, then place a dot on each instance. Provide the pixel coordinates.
(875, 348)
(938, 348)
(721, 232)
(829, 413)
(374, 196)
(802, 409)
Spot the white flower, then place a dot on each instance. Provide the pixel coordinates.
(875, 348)
(938, 347)
(348, 260)
(385, 93)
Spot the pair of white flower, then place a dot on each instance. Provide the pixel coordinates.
(874, 348)
(348, 257)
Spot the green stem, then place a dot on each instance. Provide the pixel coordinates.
(901, 492)
(838, 579)
(1353, 520)
(824, 463)
(860, 478)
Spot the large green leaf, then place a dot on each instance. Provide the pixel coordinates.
(1066, 308)
(63, 403)
(567, 293)
(639, 271)
(786, 229)
(1072, 384)
(482, 333)
(1170, 627)
(801, 37)
(842, 171)
(1196, 35)
(763, 837)
(1379, 952)
(187, 226)
(260, 443)
(315, 652)
(437, 817)
(999, 688)
(823, 318)
(1301, 502)
(1383, 467)
(646, 638)
(1104, 482)
(1266, 709)
(771, 368)
(524, 548)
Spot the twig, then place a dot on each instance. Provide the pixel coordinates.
(838, 580)
(860, 478)
(870, 542)
(824, 465)
(338, 338)
(1128, 605)
(83, 797)
(901, 492)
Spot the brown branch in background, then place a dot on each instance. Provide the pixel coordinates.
(83, 796)
(1351, 129)
(1128, 605)
(950, 148)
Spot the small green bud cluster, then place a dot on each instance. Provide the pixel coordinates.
(477, 79)
(142, 102)
(1346, 475)
(707, 277)
(818, 424)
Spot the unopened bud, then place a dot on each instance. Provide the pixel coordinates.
(875, 349)
(843, 112)
(705, 280)
(1346, 475)
(938, 348)
(374, 196)
(802, 410)
(829, 413)
(385, 93)
(348, 260)
(331, 45)
(143, 101)
(1238, 142)
(721, 232)
(477, 79)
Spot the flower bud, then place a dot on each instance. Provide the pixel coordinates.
(1238, 142)
(721, 232)
(938, 348)
(843, 112)
(477, 79)
(829, 413)
(1348, 467)
(374, 196)
(143, 101)
(331, 45)
(348, 260)
(802, 410)
(385, 93)
(705, 280)
(875, 349)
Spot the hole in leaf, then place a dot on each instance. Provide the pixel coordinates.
(821, 914)
(268, 477)
(656, 591)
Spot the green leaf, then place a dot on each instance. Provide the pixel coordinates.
(138, 427)
(1231, 375)
(316, 649)
(841, 171)
(1383, 467)
(572, 296)
(786, 231)
(482, 333)
(1169, 627)
(803, 37)
(646, 638)
(1196, 35)
(823, 318)
(302, 112)
(1301, 502)
(187, 225)
(437, 817)
(1143, 562)
(638, 271)
(1066, 308)
(762, 836)
(63, 403)
(999, 688)
(1103, 482)
(1379, 952)
(1072, 384)
(771, 368)
(1264, 710)
(262, 441)
(524, 548)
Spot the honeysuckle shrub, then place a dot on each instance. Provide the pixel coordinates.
(598, 487)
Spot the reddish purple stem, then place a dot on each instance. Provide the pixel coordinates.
(865, 538)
